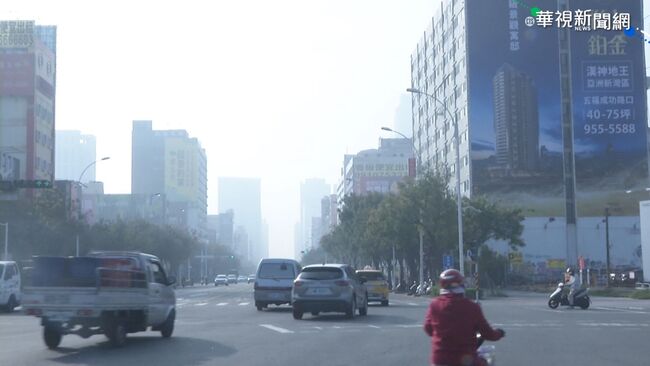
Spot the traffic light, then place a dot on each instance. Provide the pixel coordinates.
(10, 185)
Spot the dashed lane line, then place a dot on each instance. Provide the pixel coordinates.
(222, 304)
(276, 329)
(244, 303)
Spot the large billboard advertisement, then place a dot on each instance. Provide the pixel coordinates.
(609, 109)
(515, 107)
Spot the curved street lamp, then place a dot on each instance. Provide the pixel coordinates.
(79, 181)
(89, 165)
(461, 258)
(420, 230)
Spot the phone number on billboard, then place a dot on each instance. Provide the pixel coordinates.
(609, 114)
(610, 129)
(16, 40)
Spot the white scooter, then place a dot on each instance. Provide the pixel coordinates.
(486, 352)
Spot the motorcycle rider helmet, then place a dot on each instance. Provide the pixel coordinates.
(569, 271)
(452, 281)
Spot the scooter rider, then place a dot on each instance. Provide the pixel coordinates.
(452, 322)
(572, 284)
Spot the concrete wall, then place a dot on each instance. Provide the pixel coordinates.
(547, 240)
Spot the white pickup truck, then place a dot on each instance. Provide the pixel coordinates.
(111, 293)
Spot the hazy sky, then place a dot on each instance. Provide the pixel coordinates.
(276, 89)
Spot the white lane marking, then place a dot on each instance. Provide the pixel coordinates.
(319, 328)
(276, 329)
(244, 303)
(222, 304)
(409, 325)
(619, 309)
(615, 324)
(201, 304)
(412, 304)
(374, 326)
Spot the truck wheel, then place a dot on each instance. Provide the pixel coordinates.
(52, 337)
(117, 334)
(259, 305)
(349, 313)
(168, 326)
(297, 314)
(11, 304)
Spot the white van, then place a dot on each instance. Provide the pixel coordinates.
(9, 285)
(274, 280)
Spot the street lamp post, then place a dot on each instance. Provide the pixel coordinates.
(420, 230)
(457, 171)
(89, 165)
(79, 181)
(6, 253)
(164, 205)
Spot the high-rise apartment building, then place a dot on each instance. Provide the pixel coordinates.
(74, 152)
(516, 120)
(27, 96)
(311, 193)
(244, 197)
(171, 165)
(548, 120)
(377, 170)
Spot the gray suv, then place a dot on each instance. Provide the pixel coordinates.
(329, 288)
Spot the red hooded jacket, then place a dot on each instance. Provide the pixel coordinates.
(453, 321)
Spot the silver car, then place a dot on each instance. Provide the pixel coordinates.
(329, 288)
(273, 281)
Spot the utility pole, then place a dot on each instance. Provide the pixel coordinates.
(568, 163)
(77, 251)
(6, 254)
(607, 243)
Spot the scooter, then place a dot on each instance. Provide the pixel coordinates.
(413, 289)
(486, 352)
(559, 297)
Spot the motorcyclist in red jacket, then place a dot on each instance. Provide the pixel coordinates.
(453, 321)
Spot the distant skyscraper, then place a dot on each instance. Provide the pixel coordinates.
(170, 163)
(27, 96)
(516, 120)
(329, 214)
(311, 193)
(74, 152)
(244, 197)
(223, 225)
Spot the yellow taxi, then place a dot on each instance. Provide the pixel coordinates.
(376, 284)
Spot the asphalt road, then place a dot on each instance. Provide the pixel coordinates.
(220, 326)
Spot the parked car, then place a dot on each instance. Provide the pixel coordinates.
(110, 293)
(273, 281)
(221, 280)
(10, 284)
(376, 284)
(329, 288)
(251, 278)
(232, 279)
(241, 279)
